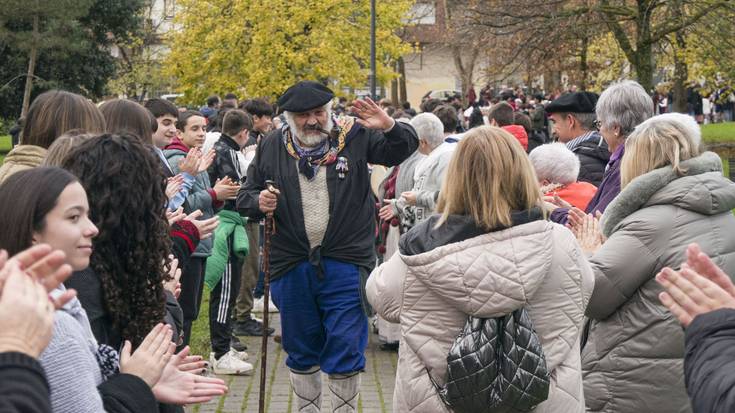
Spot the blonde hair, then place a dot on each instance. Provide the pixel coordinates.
(488, 178)
(658, 142)
(63, 145)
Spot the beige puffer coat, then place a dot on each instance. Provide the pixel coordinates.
(20, 158)
(633, 358)
(443, 275)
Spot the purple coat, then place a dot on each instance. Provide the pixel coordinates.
(606, 192)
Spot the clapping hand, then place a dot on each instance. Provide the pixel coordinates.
(226, 189)
(191, 163)
(386, 211)
(588, 234)
(175, 216)
(410, 197)
(45, 265)
(173, 185)
(173, 285)
(207, 160)
(699, 287)
(26, 313)
(178, 386)
(151, 357)
(205, 227)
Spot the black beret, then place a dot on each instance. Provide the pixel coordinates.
(305, 96)
(577, 102)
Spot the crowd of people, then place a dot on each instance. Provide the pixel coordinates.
(608, 224)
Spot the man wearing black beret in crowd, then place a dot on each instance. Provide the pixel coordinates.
(573, 115)
(322, 250)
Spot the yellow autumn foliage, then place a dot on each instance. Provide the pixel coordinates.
(260, 47)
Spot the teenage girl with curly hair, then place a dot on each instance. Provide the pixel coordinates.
(123, 289)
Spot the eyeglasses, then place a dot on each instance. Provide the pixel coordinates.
(598, 124)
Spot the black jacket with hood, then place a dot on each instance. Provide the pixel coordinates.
(709, 362)
(593, 156)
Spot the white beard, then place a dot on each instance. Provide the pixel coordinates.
(310, 139)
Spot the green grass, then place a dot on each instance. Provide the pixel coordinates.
(5, 145)
(199, 342)
(718, 132)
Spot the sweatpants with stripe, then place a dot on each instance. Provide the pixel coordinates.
(221, 305)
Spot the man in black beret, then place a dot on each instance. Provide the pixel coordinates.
(573, 115)
(323, 247)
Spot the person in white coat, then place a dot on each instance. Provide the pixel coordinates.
(489, 252)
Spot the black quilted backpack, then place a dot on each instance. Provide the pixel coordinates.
(496, 365)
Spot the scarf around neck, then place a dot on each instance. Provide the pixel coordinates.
(310, 159)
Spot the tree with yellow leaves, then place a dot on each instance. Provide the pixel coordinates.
(260, 47)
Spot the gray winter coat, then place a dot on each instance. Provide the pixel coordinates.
(198, 198)
(633, 358)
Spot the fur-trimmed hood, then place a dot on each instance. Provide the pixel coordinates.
(701, 189)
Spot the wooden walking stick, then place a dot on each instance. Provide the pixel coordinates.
(269, 231)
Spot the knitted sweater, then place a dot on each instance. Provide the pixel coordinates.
(74, 375)
(315, 207)
(70, 362)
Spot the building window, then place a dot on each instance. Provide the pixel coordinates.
(169, 8)
(422, 12)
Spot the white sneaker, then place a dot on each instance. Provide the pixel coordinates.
(241, 355)
(232, 365)
(258, 306)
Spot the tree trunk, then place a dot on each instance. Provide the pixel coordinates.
(394, 88)
(681, 70)
(644, 67)
(583, 67)
(403, 94)
(644, 51)
(681, 73)
(31, 69)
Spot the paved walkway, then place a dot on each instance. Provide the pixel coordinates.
(375, 397)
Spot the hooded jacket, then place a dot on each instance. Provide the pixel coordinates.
(443, 275)
(520, 133)
(593, 157)
(201, 196)
(710, 361)
(635, 344)
(20, 158)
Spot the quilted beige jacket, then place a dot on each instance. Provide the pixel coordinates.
(537, 264)
(20, 158)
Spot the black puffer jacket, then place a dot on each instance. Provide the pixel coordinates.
(709, 362)
(593, 157)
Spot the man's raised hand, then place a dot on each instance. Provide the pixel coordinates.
(371, 116)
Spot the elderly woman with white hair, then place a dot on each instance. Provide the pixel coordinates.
(672, 195)
(419, 203)
(620, 108)
(557, 169)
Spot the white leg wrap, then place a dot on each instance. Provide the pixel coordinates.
(344, 390)
(307, 389)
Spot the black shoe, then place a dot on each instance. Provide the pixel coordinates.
(251, 328)
(238, 345)
(389, 346)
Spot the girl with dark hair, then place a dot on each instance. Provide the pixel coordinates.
(48, 205)
(127, 201)
(51, 114)
(122, 291)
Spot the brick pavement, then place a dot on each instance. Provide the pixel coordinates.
(376, 391)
